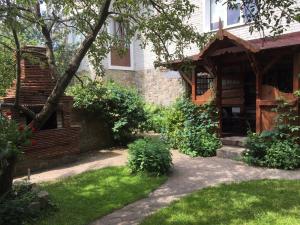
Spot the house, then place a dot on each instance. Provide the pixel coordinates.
(246, 72)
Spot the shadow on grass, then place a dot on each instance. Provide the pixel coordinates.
(88, 196)
(256, 202)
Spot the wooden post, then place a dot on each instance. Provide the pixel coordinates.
(218, 74)
(258, 98)
(296, 79)
(258, 74)
(193, 69)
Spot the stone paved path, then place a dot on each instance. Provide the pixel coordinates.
(191, 174)
(89, 161)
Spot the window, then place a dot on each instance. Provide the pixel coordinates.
(249, 11)
(121, 55)
(119, 30)
(230, 15)
(203, 83)
(234, 14)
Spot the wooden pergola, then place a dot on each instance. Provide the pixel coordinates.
(256, 58)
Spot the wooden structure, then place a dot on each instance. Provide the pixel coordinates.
(57, 140)
(246, 78)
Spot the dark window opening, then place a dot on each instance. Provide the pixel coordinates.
(281, 76)
(51, 122)
(203, 83)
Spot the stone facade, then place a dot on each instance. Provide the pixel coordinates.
(156, 86)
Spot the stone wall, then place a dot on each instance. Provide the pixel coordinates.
(94, 133)
(156, 86)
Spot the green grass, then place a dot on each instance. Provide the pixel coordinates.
(88, 196)
(249, 203)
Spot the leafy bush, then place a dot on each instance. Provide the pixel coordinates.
(149, 155)
(7, 69)
(12, 138)
(198, 142)
(191, 128)
(279, 147)
(155, 117)
(284, 155)
(122, 108)
(15, 205)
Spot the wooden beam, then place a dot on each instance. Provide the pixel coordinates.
(296, 72)
(194, 94)
(185, 77)
(257, 71)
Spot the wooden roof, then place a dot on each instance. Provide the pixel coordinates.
(226, 42)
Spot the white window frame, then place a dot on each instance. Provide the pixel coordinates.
(131, 47)
(207, 17)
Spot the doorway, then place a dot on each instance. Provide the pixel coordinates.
(238, 100)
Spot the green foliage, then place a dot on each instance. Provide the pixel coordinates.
(14, 206)
(198, 142)
(283, 154)
(149, 155)
(7, 70)
(155, 117)
(191, 128)
(121, 108)
(278, 148)
(12, 138)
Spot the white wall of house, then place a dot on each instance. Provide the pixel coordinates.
(162, 87)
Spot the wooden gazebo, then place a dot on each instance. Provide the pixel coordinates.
(246, 78)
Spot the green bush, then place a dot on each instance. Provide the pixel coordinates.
(149, 155)
(14, 206)
(155, 117)
(279, 147)
(256, 147)
(191, 128)
(198, 142)
(284, 155)
(122, 108)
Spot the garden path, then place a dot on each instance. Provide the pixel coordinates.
(85, 162)
(189, 175)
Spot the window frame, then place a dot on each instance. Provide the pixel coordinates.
(209, 82)
(111, 30)
(207, 17)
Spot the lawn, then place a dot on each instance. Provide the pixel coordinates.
(252, 203)
(88, 196)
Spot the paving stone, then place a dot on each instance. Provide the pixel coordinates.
(230, 152)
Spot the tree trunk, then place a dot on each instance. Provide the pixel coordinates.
(7, 175)
(63, 82)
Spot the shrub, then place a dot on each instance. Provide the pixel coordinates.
(284, 155)
(256, 148)
(149, 155)
(191, 128)
(198, 142)
(279, 147)
(122, 108)
(15, 205)
(12, 138)
(155, 117)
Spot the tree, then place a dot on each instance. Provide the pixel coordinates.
(152, 21)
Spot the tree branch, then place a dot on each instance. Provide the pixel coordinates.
(63, 82)
(48, 41)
